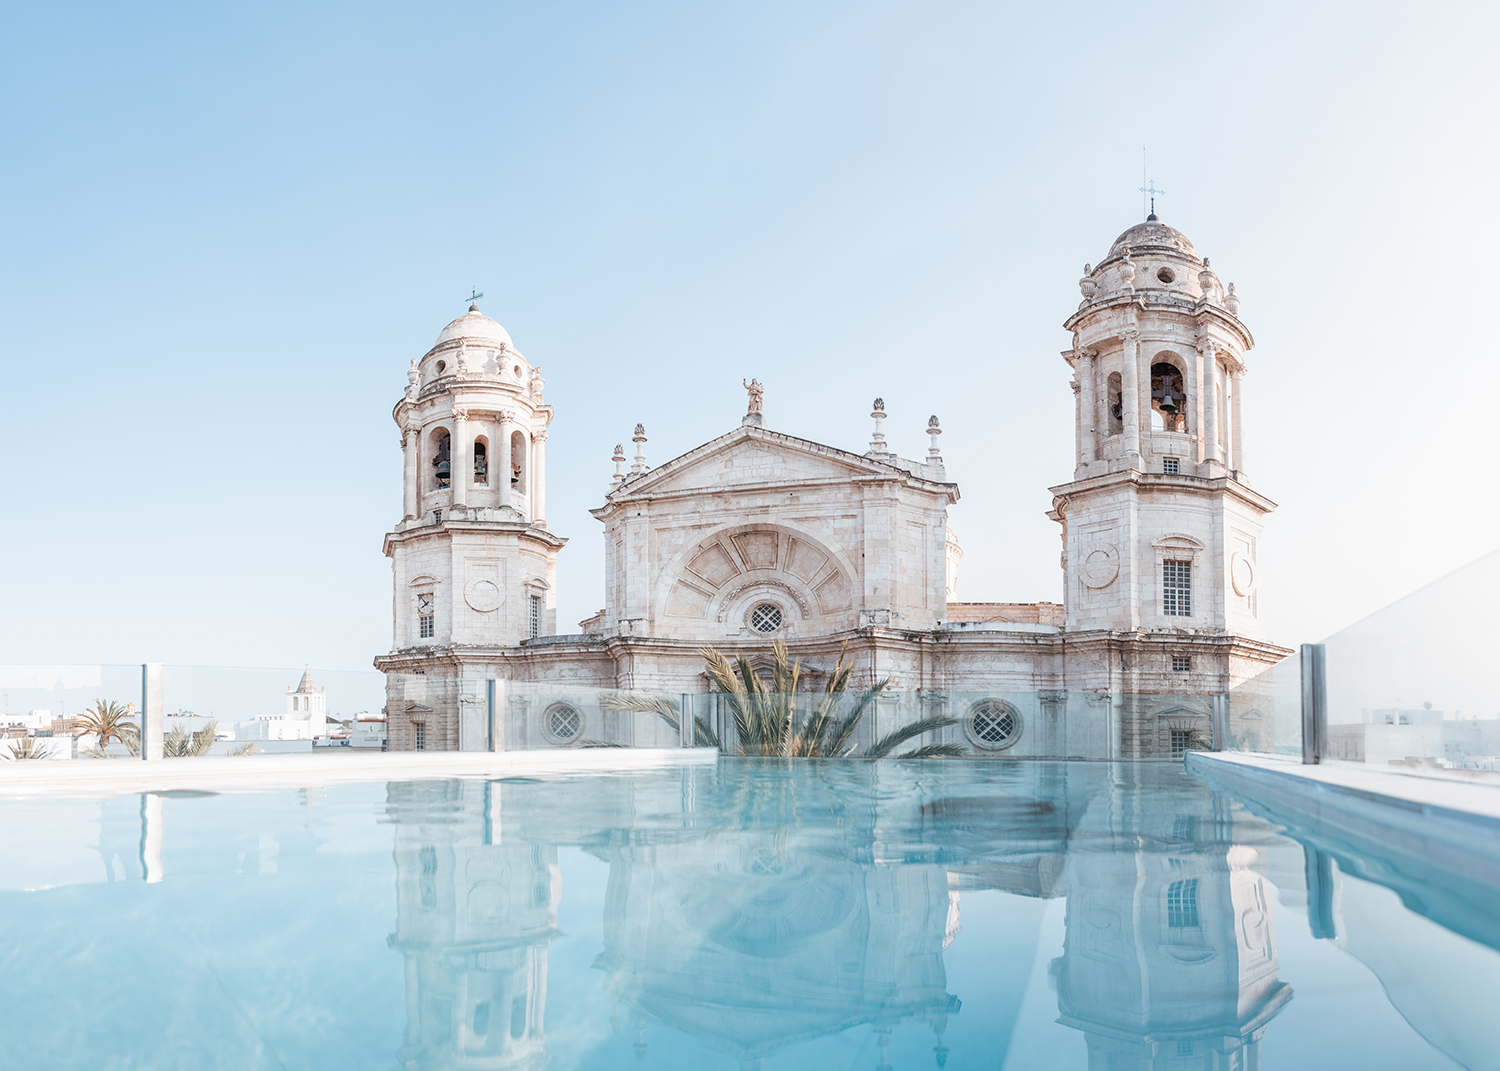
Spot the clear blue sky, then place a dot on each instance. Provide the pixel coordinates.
(228, 229)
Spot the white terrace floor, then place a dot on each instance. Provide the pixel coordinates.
(115, 777)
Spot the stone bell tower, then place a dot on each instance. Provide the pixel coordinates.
(1161, 529)
(472, 560)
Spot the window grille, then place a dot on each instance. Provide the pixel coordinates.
(1182, 904)
(563, 723)
(1180, 743)
(993, 725)
(427, 626)
(765, 618)
(1184, 1048)
(421, 731)
(1182, 663)
(1169, 466)
(536, 616)
(1177, 589)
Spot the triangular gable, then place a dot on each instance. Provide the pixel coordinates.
(754, 456)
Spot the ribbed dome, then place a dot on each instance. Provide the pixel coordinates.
(474, 325)
(1152, 236)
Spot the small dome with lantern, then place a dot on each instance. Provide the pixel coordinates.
(477, 326)
(1153, 236)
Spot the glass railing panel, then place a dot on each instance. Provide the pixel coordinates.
(1417, 684)
(1265, 713)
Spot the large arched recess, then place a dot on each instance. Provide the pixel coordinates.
(709, 581)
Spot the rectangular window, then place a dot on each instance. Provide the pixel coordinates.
(536, 616)
(421, 730)
(427, 629)
(1179, 744)
(1177, 589)
(1182, 904)
(1182, 664)
(1169, 466)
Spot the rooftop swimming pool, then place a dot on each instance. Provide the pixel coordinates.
(749, 914)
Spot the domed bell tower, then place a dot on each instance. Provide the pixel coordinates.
(473, 564)
(1161, 529)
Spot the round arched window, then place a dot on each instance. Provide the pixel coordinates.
(766, 617)
(564, 723)
(993, 725)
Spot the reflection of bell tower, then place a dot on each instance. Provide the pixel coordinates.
(473, 563)
(1161, 530)
(1170, 956)
(475, 917)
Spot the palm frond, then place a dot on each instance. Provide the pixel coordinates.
(840, 743)
(244, 749)
(934, 751)
(894, 739)
(587, 742)
(27, 747)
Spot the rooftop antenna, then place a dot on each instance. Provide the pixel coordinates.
(1148, 188)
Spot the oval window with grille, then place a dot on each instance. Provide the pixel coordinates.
(564, 723)
(993, 725)
(766, 617)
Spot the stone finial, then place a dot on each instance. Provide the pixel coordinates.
(639, 438)
(1208, 282)
(1232, 301)
(537, 382)
(753, 417)
(1127, 270)
(413, 377)
(619, 460)
(934, 455)
(1087, 285)
(461, 363)
(877, 441)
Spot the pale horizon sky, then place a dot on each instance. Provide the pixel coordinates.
(228, 231)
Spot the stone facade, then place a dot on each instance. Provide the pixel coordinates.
(758, 536)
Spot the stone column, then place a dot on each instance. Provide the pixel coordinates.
(1078, 427)
(1211, 452)
(1131, 396)
(539, 479)
(1089, 406)
(458, 453)
(1239, 416)
(410, 442)
(502, 460)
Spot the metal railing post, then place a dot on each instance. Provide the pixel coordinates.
(1314, 704)
(685, 721)
(1219, 721)
(151, 710)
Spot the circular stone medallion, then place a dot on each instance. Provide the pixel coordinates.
(483, 595)
(1241, 574)
(1101, 564)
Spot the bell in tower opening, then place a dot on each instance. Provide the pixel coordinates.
(1168, 397)
(481, 464)
(442, 463)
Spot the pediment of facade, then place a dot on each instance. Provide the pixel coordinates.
(755, 457)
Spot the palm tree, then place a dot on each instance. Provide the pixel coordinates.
(765, 713)
(107, 721)
(28, 747)
(179, 743)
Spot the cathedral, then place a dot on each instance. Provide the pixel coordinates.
(758, 536)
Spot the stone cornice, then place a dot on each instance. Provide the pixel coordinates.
(1191, 312)
(1200, 486)
(524, 530)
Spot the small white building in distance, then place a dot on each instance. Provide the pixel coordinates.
(305, 717)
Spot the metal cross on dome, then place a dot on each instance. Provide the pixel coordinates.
(1150, 188)
(475, 296)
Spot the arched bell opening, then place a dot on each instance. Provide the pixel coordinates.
(1114, 400)
(1168, 397)
(442, 459)
(519, 481)
(481, 461)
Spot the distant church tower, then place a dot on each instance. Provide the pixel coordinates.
(474, 566)
(1161, 529)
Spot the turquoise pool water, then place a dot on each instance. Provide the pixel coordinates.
(749, 915)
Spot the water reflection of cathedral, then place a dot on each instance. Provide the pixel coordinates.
(754, 911)
(475, 914)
